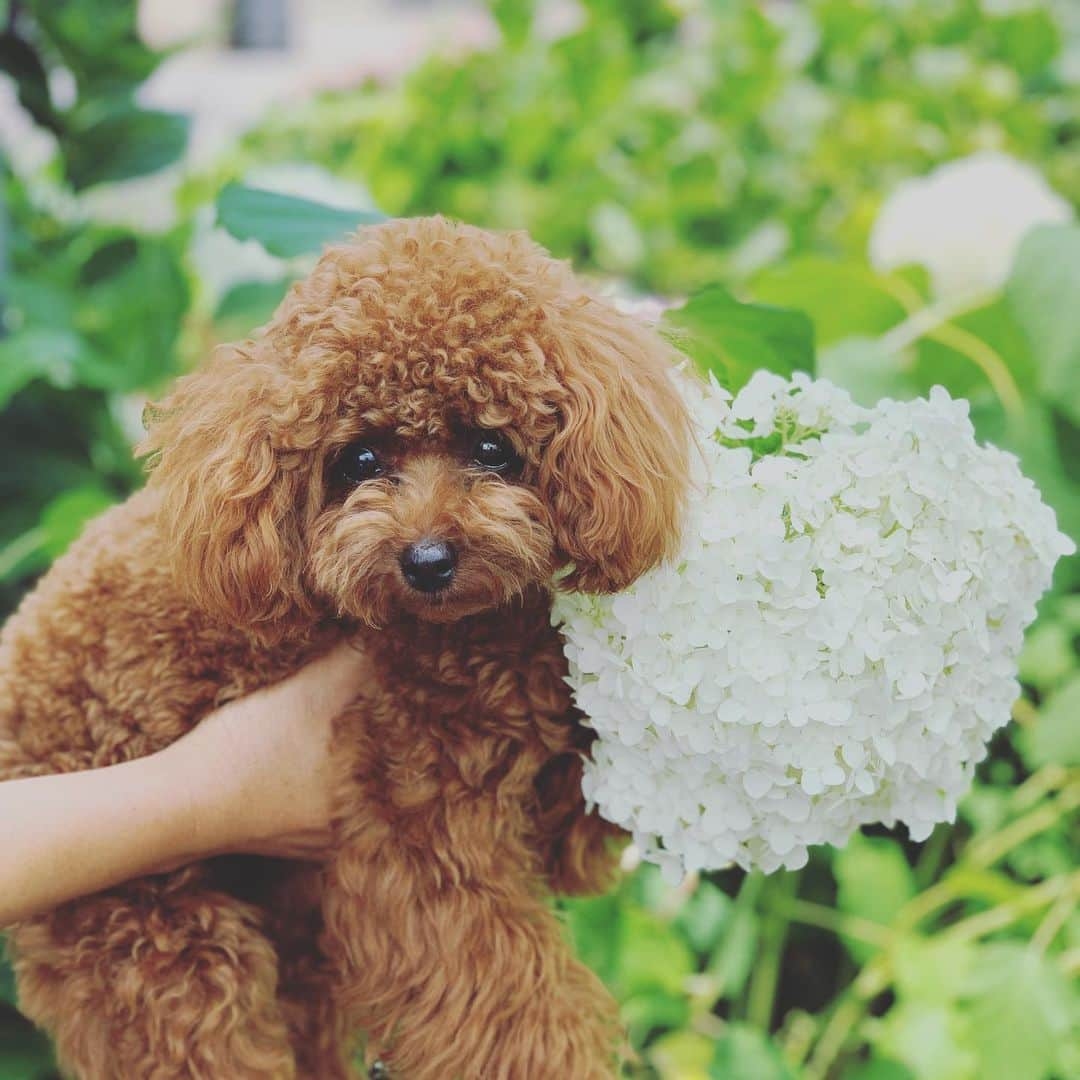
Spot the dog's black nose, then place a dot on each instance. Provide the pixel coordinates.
(428, 565)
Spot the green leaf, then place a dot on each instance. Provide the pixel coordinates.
(595, 925)
(125, 143)
(7, 977)
(1020, 1007)
(284, 224)
(996, 326)
(867, 371)
(686, 1055)
(646, 1011)
(1054, 738)
(515, 19)
(844, 299)
(652, 955)
(737, 948)
(878, 1069)
(932, 970)
(932, 1040)
(873, 881)
(1048, 656)
(98, 42)
(36, 353)
(1042, 292)
(704, 916)
(745, 1053)
(733, 340)
(19, 59)
(1025, 40)
(1030, 436)
(1067, 438)
(251, 303)
(131, 315)
(63, 519)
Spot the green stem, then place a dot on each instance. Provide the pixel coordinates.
(20, 549)
(761, 994)
(929, 862)
(983, 853)
(878, 973)
(826, 918)
(935, 321)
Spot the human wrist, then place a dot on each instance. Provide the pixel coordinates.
(200, 819)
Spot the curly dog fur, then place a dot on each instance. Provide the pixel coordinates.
(250, 551)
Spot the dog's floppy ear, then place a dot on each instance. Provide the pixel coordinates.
(230, 498)
(615, 472)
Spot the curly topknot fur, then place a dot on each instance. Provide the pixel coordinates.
(458, 793)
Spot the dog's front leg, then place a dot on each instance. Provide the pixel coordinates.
(451, 960)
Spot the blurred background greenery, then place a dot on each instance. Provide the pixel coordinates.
(663, 145)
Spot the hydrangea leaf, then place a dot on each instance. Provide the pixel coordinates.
(1042, 291)
(704, 917)
(38, 353)
(737, 948)
(1030, 436)
(652, 956)
(653, 1009)
(248, 304)
(732, 339)
(1048, 656)
(932, 1040)
(932, 970)
(132, 345)
(514, 18)
(595, 925)
(63, 519)
(123, 144)
(878, 1069)
(874, 882)
(745, 1053)
(1027, 40)
(1054, 738)
(936, 362)
(284, 224)
(682, 1055)
(865, 370)
(1020, 1007)
(20, 60)
(7, 978)
(844, 299)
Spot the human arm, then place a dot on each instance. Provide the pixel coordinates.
(254, 776)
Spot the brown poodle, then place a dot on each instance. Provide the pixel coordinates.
(432, 424)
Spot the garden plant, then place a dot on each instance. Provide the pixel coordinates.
(880, 193)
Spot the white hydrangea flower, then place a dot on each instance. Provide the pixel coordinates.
(964, 221)
(836, 641)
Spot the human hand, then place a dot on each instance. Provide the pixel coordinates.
(257, 771)
(252, 776)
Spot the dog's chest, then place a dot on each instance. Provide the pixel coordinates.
(501, 672)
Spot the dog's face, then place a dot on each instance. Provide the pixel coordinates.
(435, 420)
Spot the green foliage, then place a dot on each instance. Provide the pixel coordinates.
(733, 153)
(283, 224)
(732, 339)
(1042, 293)
(680, 144)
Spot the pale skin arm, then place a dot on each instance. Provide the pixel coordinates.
(253, 776)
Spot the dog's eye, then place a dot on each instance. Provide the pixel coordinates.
(493, 451)
(358, 463)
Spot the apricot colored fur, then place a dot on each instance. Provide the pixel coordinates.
(458, 803)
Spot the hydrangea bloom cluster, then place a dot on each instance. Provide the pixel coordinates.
(964, 221)
(834, 645)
